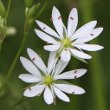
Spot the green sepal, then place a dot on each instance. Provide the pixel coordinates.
(28, 3)
(32, 11)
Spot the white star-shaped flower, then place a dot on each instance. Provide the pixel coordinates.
(49, 80)
(69, 41)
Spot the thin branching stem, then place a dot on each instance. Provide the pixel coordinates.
(19, 51)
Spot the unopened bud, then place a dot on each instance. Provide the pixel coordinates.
(10, 31)
(32, 11)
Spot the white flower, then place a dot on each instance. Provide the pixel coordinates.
(69, 41)
(49, 80)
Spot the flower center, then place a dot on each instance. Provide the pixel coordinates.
(66, 42)
(48, 80)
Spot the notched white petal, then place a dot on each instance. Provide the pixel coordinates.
(95, 33)
(73, 74)
(85, 30)
(47, 29)
(72, 22)
(65, 55)
(90, 47)
(80, 54)
(52, 61)
(29, 78)
(57, 21)
(34, 91)
(70, 89)
(60, 66)
(45, 37)
(48, 97)
(29, 66)
(37, 60)
(61, 95)
(51, 47)
(78, 90)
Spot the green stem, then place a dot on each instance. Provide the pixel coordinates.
(26, 29)
(17, 56)
(18, 103)
(19, 51)
(5, 24)
(8, 9)
(95, 64)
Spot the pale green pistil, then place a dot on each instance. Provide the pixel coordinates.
(48, 80)
(66, 42)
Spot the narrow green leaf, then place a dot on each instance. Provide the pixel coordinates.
(2, 9)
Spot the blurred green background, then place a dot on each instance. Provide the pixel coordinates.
(97, 80)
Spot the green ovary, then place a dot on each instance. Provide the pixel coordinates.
(48, 80)
(66, 42)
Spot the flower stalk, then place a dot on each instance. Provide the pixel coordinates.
(30, 16)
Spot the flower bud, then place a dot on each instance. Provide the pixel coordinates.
(28, 3)
(2, 10)
(10, 31)
(32, 11)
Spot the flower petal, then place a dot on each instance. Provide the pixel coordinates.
(51, 47)
(34, 90)
(70, 89)
(37, 60)
(89, 47)
(48, 97)
(73, 74)
(47, 29)
(60, 66)
(85, 30)
(65, 55)
(96, 32)
(81, 59)
(80, 54)
(72, 22)
(61, 95)
(52, 61)
(57, 21)
(29, 78)
(30, 67)
(45, 37)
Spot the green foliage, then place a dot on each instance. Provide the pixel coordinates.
(32, 11)
(2, 86)
(2, 10)
(28, 3)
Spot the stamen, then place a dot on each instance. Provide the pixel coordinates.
(92, 34)
(51, 19)
(71, 18)
(48, 80)
(75, 71)
(44, 28)
(73, 92)
(33, 59)
(29, 88)
(59, 17)
(75, 77)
